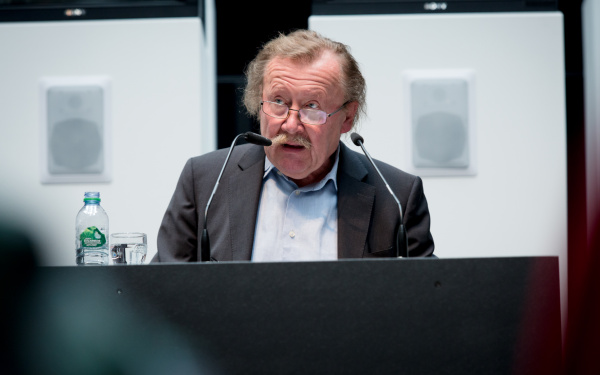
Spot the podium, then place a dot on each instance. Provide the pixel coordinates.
(392, 316)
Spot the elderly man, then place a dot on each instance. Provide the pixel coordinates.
(306, 197)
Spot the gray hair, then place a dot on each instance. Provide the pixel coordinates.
(304, 46)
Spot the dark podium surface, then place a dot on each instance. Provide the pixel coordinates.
(394, 316)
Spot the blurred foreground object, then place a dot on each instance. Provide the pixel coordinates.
(55, 326)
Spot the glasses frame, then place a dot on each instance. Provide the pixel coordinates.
(298, 110)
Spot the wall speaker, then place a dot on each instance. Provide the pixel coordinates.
(75, 124)
(440, 122)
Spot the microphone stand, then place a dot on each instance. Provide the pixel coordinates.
(401, 238)
(204, 241)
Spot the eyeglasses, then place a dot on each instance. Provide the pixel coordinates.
(306, 115)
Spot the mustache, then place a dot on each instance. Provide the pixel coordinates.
(284, 138)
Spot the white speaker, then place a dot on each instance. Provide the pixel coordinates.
(75, 129)
(440, 122)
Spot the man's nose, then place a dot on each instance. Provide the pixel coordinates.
(292, 124)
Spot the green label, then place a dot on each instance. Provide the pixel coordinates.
(92, 237)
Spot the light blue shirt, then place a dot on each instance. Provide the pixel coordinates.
(296, 224)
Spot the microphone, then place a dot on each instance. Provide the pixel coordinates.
(401, 239)
(256, 139)
(250, 138)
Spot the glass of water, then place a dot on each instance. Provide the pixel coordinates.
(128, 248)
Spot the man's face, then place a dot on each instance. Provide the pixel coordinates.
(313, 85)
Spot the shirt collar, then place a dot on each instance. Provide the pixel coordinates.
(332, 175)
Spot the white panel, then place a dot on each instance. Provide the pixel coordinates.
(155, 69)
(516, 205)
(590, 14)
(208, 75)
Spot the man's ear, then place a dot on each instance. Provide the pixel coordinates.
(350, 112)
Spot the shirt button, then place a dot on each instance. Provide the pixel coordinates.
(297, 192)
(292, 234)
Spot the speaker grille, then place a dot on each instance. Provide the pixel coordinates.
(439, 120)
(75, 130)
(440, 141)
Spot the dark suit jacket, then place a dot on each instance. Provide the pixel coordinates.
(367, 214)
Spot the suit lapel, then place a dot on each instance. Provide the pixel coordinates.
(355, 204)
(243, 195)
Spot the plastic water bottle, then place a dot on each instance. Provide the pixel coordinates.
(91, 232)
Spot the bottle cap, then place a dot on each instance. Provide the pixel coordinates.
(91, 196)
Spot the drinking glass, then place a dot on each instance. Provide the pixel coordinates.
(128, 248)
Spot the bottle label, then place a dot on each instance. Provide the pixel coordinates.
(92, 237)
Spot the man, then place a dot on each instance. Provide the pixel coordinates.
(306, 197)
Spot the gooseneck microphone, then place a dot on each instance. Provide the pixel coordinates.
(401, 239)
(251, 138)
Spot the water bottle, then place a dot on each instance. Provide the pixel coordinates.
(91, 232)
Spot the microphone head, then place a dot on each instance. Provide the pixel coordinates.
(257, 139)
(356, 138)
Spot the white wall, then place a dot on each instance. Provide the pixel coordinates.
(516, 204)
(159, 120)
(590, 14)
